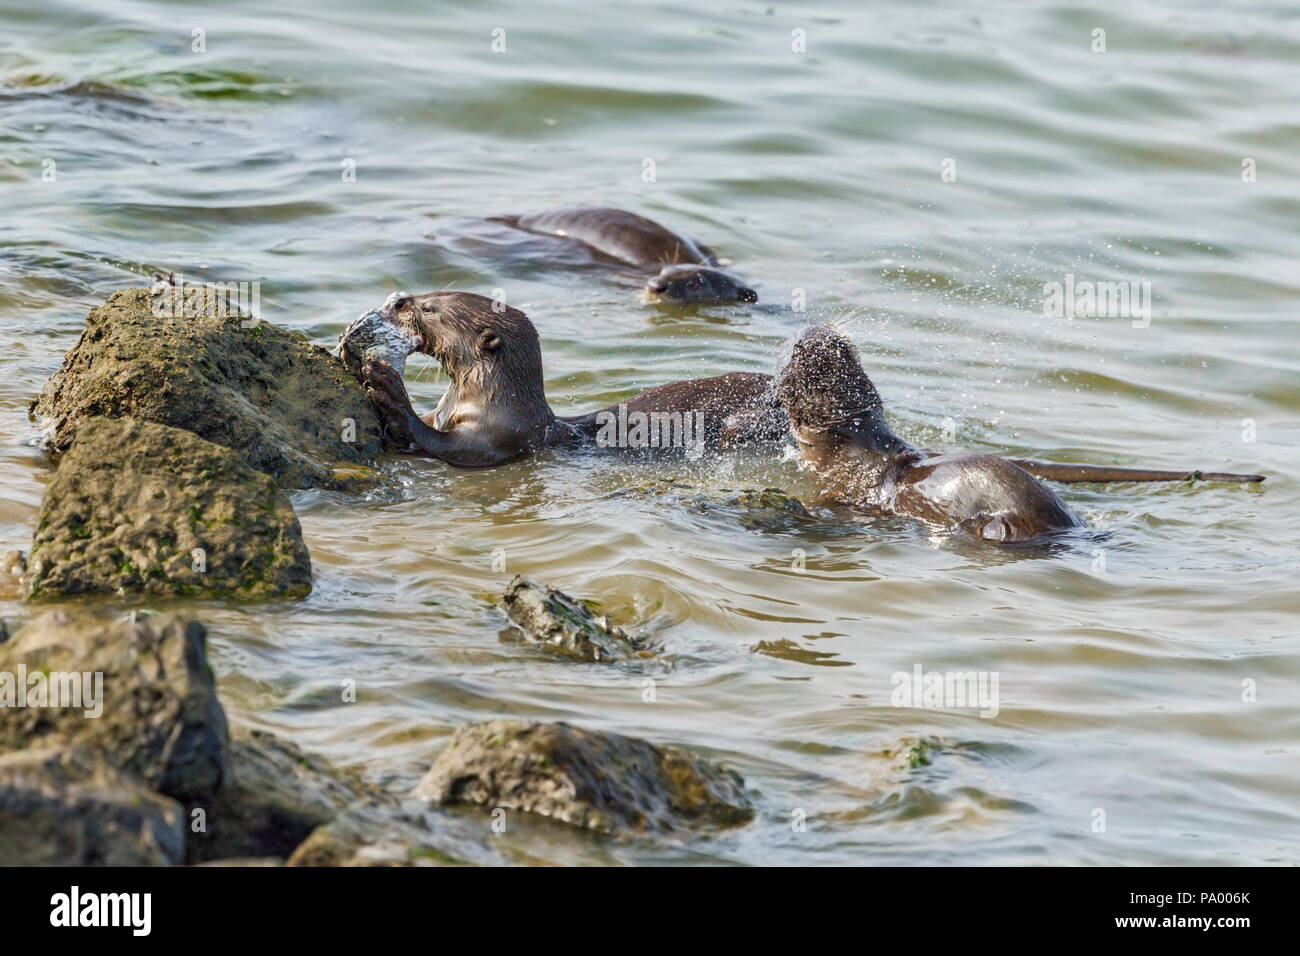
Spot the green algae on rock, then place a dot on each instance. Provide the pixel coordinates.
(135, 506)
(551, 618)
(594, 779)
(289, 408)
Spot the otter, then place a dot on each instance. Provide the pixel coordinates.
(495, 408)
(837, 419)
(688, 270)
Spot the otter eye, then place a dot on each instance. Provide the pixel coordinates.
(427, 307)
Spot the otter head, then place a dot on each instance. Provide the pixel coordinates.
(688, 282)
(822, 387)
(490, 352)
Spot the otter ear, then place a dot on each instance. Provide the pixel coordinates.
(488, 341)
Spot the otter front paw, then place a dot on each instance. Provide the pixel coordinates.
(387, 392)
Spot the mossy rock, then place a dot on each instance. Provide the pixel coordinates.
(542, 615)
(287, 407)
(139, 507)
(588, 778)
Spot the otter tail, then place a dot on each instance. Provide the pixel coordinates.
(1055, 471)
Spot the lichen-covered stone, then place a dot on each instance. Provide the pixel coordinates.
(289, 408)
(594, 779)
(159, 718)
(70, 808)
(545, 616)
(135, 506)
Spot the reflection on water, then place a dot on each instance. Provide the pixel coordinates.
(1121, 653)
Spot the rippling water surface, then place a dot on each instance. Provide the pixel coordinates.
(1121, 656)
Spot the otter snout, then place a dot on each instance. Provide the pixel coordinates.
(685, 282)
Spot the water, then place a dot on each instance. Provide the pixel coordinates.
(1121, 688)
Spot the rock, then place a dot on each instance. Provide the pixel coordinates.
(147, 678)
(153, 721)
(372, 835)
(272, 799)
(242, 861)
(289, 408)
(135, 506)
(12, 568)
(602, 781)
(768, 509)
(69, 808)
(543, 615)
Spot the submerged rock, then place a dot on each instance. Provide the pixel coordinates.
(289, 408)
(551, 618)
(372, 835)
(70, 808)
(767, 509)
(135, 506)
(144, 700)
(602, 781)
(758, 509)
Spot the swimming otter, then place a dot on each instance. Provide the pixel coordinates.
(837, 419)
(495, 408)
(688, 270)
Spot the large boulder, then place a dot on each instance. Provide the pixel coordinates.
(135, 506)
(65, 807)
(145, 697)
(288, 407)
(602, 781)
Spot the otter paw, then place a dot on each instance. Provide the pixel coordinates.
(398, 437)
(393, 413)
(383, 377)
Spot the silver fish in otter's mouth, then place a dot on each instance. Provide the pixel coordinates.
(376, 336)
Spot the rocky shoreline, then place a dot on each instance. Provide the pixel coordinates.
(174, 440)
